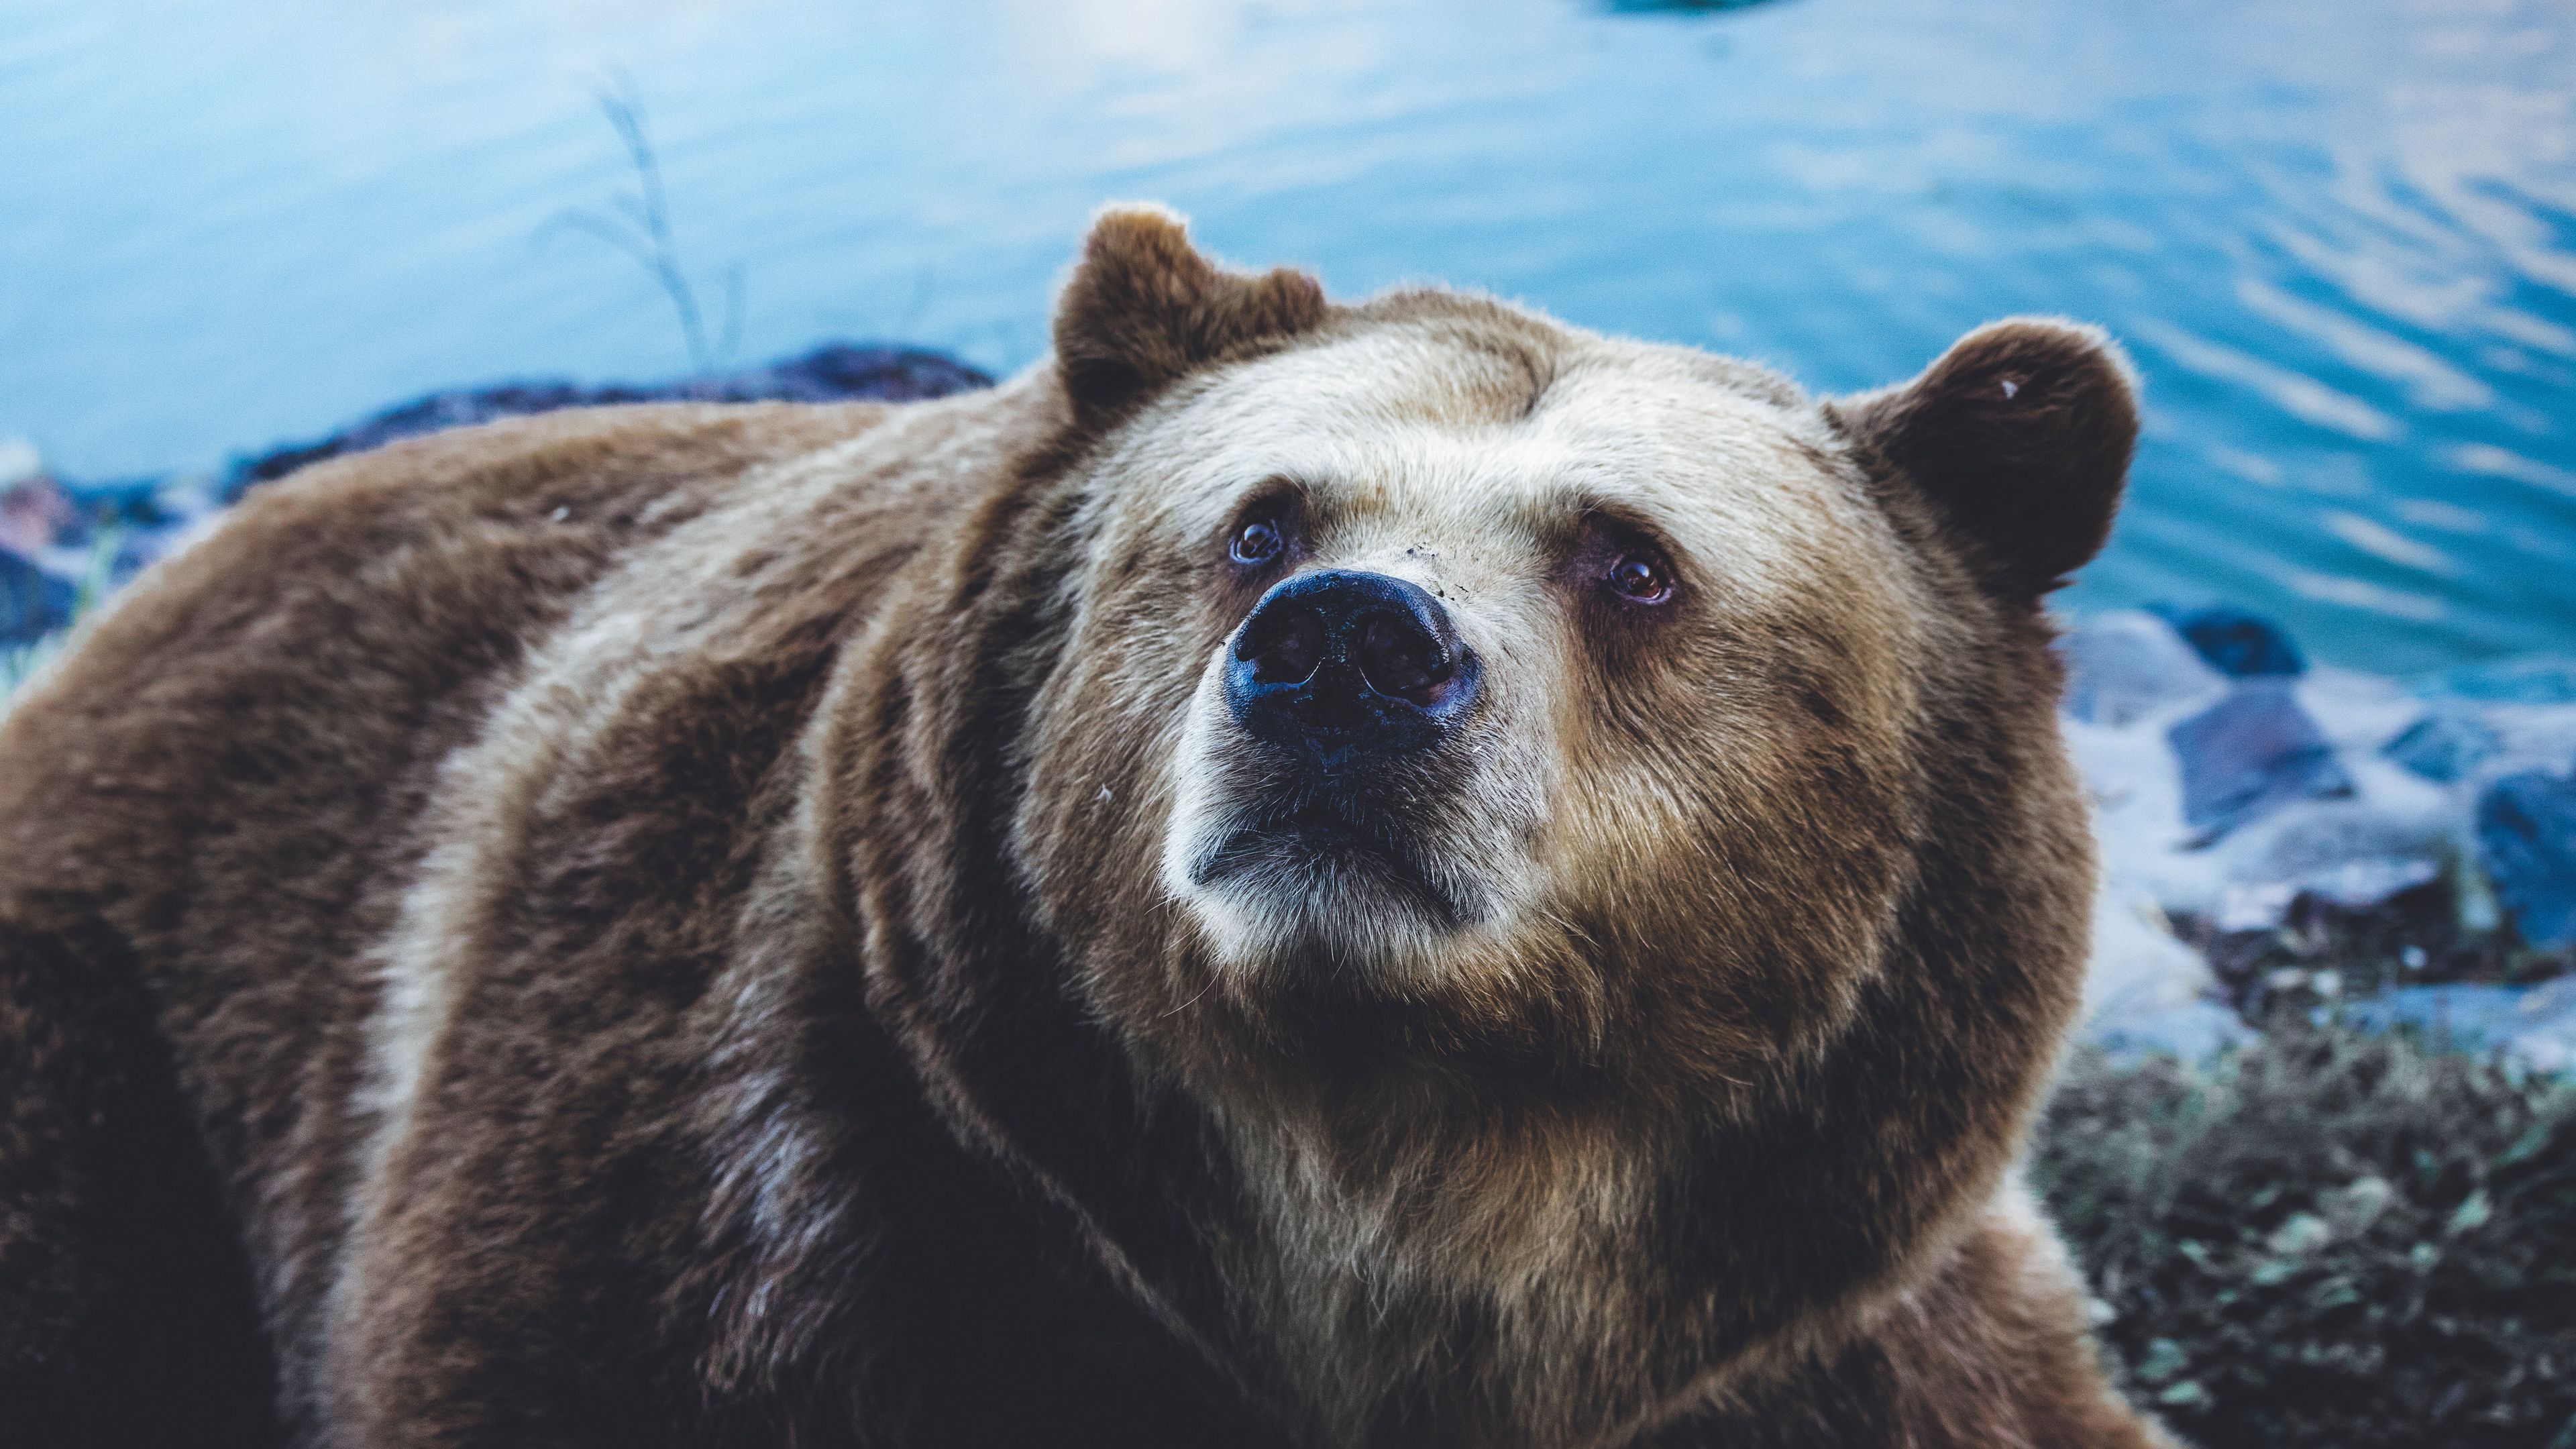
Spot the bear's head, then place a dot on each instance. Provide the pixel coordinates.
(1583, 818)
(1455, 696)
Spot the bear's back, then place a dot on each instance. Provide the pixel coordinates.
(226, 784)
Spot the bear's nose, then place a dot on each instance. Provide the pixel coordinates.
(1346, 667)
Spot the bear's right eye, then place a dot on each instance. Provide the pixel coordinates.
(1257, 542)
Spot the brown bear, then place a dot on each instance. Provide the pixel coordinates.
(1299, 874)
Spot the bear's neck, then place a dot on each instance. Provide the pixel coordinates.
(1490, 1283)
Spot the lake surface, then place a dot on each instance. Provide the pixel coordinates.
(2339, 238)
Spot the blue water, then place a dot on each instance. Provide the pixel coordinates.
(2340, 238)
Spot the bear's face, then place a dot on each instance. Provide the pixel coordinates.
(1493, 654)
(1449, 690)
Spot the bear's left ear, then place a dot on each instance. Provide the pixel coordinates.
(1145, 309)
(2020, 437)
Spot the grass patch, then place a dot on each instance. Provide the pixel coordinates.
(2327, 1239)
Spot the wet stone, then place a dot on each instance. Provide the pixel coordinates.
(2236, 643)
(2248, 755)
(2125, 666)
(2526, 829)
(32, 602)
(2443, 746)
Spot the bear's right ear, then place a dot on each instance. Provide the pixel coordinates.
(2020, 437)
(1145, 309)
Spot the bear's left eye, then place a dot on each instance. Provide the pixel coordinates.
(1641, 577)
(1256, 542)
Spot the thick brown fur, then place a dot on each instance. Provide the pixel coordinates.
(680, 925)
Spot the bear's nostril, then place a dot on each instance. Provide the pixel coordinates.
(1283, 649)
(1400, 660)
(1349, 669)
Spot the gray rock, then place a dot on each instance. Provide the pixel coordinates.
(2250, 754)
(2536, 1025)
(2237, 644)
(2526, 830)
(32, 602)
(2192, 1031)
(2137, 965)
(2124, 666)
(2445, 745)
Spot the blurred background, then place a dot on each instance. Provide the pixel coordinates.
(2339, 239)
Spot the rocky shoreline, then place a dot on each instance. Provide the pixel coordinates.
(2280, 836)
(2275, 836)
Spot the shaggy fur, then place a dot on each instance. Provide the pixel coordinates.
(694, 925)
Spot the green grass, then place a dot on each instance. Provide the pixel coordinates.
(2328, 1240)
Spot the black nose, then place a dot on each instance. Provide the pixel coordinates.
(1346, 668)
